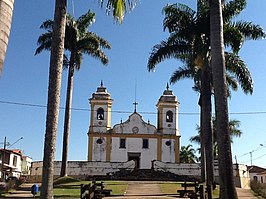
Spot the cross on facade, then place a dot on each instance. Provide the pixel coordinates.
(135, 104)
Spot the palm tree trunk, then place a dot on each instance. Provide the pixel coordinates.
(206, 127)
(55, 75)
(202, 147)
(6, 12)
(67, 119)
(226, 178)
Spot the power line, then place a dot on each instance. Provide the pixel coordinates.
(118, 111)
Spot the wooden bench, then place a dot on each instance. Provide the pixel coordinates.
(94, 191)
(191, 189)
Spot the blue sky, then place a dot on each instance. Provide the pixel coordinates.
(25, 79)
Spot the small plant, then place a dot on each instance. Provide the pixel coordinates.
(3, 188)
(258, 188)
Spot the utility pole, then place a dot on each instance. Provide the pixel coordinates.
(3, 160)
(251, 157)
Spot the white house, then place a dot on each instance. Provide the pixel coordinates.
(134, 139)
(11, 161)
(257, 173)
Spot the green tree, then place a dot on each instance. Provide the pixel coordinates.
(187, 154)
(189, 42)
(78, 41)
(233, 129)
(55, 75)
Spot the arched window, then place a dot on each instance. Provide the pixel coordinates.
(169, 116)
(100, 114)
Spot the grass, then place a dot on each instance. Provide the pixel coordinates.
(70, 187)
(170, 188)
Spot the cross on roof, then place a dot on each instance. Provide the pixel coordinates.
(135, 104)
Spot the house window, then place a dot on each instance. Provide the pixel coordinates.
(100, 114)
(261, 178)
(145, 143)
(255, 178)
(122, 143)
(15, 161)
(169, 116)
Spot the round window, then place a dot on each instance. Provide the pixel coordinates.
(168, 143)
(99, 141)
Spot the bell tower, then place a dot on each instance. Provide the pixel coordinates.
(167, 110)
(101, 105)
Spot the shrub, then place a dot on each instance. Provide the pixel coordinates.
(258, 188)
(3, 187)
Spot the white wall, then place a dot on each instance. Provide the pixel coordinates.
(99, 150)
(134, 145)
(134, 120)
(168, 152)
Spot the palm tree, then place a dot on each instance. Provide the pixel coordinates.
(78, 41)
(6, 7)
(226, 180)
(118, 8)
(55, 75)
(233, 129)
(187, 154)
(189, 41)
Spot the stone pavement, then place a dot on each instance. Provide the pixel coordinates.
(135, 190)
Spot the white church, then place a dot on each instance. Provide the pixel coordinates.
(133, 144)
(134, 139)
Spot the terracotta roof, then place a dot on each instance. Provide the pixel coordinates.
(256, 169)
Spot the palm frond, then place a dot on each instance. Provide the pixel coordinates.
(118, 8)
(181, 73)
(249, 30)
(233, 8)
(178, 17)
(44, 42)
(86, 20)
(163, 51)
(47, 25)
(237, 66)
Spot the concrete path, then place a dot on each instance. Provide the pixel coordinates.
(142, 190)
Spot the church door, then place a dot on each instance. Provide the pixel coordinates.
(136, 158)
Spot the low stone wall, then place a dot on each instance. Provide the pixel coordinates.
(81, 169)
(240, 171)
(85, 169)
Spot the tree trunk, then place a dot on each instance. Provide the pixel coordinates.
(6, 12)
(55, 75)
(206, 127)
(226, 178)
(202, 147)
(67, 118)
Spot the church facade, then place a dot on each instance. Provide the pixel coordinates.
(134, 139)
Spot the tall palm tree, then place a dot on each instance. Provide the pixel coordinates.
(78, 41)
(55, 75)
(226, 180)
(6, 8)
(187, 154)
(189, 41)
